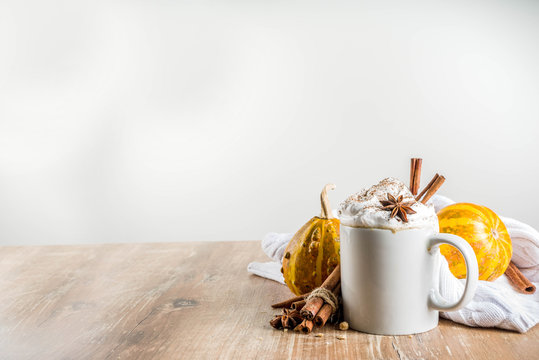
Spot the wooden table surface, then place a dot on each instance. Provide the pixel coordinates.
(188, 301)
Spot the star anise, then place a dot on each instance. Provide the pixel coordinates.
(290, 318)
(397, 207)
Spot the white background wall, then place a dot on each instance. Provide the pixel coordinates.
(138, 121)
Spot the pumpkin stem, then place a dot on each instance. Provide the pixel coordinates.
(326, 208)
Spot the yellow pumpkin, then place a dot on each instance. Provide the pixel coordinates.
(484, 231)
(313, 252)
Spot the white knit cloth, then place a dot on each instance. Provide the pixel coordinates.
(495, 304)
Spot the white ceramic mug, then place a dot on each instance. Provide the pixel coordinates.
(388, 280)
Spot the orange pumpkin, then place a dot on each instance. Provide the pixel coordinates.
(484, 231)
(313, 252)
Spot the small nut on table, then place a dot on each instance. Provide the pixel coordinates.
(318, 335)
(343, 326)
(340, 337)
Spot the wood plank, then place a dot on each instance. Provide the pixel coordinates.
(187, 300)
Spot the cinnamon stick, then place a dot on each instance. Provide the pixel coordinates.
(276, 322)
(519, 280)
(418, 197)
(314, 304)
(412, 169)
(415, 174)
(323, 315)
(306, 326)
(311, 308)
(432, 190)
(298, 305)
(289, 302)
(325, 312)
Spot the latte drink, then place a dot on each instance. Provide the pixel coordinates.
(389, 250)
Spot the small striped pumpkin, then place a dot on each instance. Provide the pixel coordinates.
(484, 231)
(313, 252)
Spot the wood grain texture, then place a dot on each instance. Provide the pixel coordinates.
(192, 301)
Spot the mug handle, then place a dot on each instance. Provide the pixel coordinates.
(436, 301)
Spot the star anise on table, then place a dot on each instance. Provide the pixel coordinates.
(290, 318)
(397, 207)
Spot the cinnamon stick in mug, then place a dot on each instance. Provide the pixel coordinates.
(415, 174)
(418, 197)
(432, 190)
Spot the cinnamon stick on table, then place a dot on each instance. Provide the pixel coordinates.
(289, 302)
(325, 312)
(298, 305)
(314, 304)
(519, 280)
(306, 326)
(276, 322)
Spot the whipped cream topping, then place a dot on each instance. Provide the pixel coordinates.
(364, 209)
